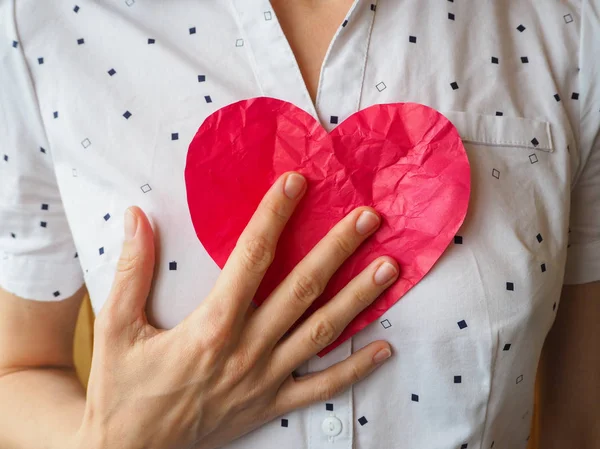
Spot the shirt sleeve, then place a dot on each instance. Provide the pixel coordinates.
(38, 258)
(583, 260)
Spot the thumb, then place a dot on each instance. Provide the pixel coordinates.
(133, 278)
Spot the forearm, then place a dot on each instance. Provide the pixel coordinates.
(40, 408)
(569, 404)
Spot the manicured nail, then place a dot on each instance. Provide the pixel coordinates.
(367, 221)
(130, 224)
(385, 273)
(294, 184)
(382, 355)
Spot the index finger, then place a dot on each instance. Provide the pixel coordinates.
(255, 249)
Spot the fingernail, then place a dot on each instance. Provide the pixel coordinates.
(385, 273)
(367, 221)
(293, 186)
(382, 355)
(130, 224)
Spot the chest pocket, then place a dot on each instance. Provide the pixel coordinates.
(516, 227)
(489, 300)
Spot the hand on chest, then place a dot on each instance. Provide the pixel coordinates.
(405, 160)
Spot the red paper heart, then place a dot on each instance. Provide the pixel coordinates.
(405, 160)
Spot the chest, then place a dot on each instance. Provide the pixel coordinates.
(309, 28)
(126, 117)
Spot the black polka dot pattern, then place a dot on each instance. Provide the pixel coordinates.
(208, 87)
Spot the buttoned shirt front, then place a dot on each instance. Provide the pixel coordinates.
(100, 100)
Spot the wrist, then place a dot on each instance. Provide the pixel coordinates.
(88, 438)
(94, 435)
(81, 441)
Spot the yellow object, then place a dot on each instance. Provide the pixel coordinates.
(84, 337)
(535, 428)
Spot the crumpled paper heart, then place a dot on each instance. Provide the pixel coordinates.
(406, 160)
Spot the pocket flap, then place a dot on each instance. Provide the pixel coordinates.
(502, 131)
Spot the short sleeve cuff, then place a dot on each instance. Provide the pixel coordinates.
(41, 280)
(583, 263)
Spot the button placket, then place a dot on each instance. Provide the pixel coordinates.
(342, 74)
(331, 422)
(338, 96)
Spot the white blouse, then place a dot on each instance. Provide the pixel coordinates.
(99, 101)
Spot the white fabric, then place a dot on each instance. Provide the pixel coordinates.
(484, 310)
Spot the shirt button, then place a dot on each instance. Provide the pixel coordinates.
(332, 426)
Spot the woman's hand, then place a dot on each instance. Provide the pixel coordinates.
(226, 370)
